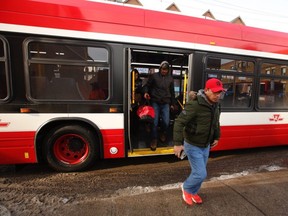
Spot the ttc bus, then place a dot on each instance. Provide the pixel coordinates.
(54, 54)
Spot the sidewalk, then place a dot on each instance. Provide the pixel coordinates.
(256, 194)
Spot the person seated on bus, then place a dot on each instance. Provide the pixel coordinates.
(96, 93)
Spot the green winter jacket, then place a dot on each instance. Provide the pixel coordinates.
(198, 123)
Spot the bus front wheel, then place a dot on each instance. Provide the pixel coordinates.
(70, 148)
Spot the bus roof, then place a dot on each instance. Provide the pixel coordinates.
(101, 17)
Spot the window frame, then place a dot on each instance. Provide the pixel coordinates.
(6, 59)
(67, 62)
(218, 73)
(261, 76)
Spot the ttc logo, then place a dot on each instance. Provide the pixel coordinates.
(276, 117)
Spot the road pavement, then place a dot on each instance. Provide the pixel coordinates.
(264, 193)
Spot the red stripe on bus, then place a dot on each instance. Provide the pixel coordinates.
(113, 139)
(17, 147)
(252, 136)
(4, 124)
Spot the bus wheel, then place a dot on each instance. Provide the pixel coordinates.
(70, 148)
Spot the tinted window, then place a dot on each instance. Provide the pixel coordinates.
(232, 65)
(273, 87)
(68, 72)
(3, 69)
(237, 76)
(274, 69)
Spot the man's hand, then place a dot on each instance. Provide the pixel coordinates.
(178, 150)
(214, 144)
(147, 96)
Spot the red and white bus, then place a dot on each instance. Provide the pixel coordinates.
(54, 53)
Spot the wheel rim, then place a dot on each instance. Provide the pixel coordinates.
(71, 149)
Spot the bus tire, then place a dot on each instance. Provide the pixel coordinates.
(70, 148)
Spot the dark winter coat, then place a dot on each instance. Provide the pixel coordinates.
(160, 88)
(198, 123)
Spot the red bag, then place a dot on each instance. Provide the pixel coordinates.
(146, 113)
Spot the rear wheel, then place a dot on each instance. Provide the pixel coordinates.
(70, 148)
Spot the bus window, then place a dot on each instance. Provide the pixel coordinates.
(3, 84)
(225, 64)
(238, 91)
(237, 76)
(3, 69)
(67, 72)
(273, 87)
(273, 93)
(274, 69)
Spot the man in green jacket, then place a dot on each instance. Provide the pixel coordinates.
(198, 126)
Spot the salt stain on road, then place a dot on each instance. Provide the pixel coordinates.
(137, 190)
(248, 172)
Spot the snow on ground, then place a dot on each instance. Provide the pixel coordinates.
(137, 190)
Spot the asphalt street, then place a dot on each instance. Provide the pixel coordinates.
(264, 193)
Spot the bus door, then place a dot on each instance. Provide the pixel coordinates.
(143, 63)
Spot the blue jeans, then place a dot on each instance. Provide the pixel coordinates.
(162, 110)
(198, 158)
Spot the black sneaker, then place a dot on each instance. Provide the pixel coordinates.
(153, 145)
(163, 137)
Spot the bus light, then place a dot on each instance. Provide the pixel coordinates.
(25, 110)
(113, 150)
(212, 43)
(26, 155)
(113, 110)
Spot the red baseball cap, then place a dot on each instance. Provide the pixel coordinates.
(214, 84)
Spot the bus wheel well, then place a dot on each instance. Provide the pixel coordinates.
(42, 133)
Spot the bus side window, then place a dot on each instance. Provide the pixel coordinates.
(64, 89)
(39, 87)
(272, 93)
(83, 86)
(3, 84)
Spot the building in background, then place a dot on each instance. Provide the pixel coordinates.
(173, 7)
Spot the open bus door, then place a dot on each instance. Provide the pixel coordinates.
(147, 62)
(130, 99)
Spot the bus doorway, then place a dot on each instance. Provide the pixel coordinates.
(142, 64)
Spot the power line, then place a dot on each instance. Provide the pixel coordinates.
(250, 10)
(250, 14)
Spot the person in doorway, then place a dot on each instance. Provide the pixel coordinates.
(159, 89)
(136, 100)
(198, 125)
(137, 87)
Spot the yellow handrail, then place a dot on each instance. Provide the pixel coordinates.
(184, 89)
(133, 87)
